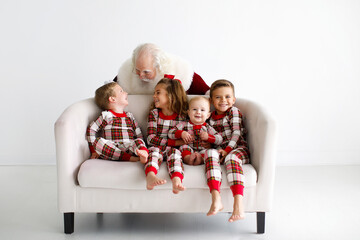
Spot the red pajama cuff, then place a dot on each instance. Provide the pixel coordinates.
(144, 148)
(178, 134)
(228, 149)
(237, 189)
(177, 174)
(185, 153)
(214, 185)
(125, 156)
(211, 139)
(171, 142)
(150, 169)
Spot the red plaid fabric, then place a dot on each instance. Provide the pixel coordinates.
(195, 130)
(162, 147)
(120, 138)
(230, 126)
(159, 126)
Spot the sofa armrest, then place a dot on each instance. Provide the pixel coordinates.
(262, 140)
(71, 147)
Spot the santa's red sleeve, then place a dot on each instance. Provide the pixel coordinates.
(198, 86)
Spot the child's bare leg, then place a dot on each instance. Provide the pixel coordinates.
(134, 159)
(216, 205)
(143, 155)
(198, 160)
(152, 180)
(189, 159)
(238, 212)
(94, 155)
(177, 185)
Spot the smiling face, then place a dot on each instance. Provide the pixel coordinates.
(161, 97)
(223, 98)
(199, 111)
(121, 97)
(144, 67)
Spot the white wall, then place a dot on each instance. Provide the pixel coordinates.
(300, 59)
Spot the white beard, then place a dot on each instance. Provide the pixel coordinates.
(132, 84)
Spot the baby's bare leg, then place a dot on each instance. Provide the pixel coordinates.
(152, 180)
(143, 155)
(238, 211)
(134, 159)
(177, 185)
(189, 159)
(198, 160)
(216, 205)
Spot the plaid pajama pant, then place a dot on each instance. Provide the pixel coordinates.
(110, 150)
(161, 146)
(173, 159)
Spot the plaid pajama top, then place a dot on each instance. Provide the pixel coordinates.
(159, 126)
(118, 127)
(188, 126)
(230, 126)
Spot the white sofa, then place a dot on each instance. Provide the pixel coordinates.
(100, 186)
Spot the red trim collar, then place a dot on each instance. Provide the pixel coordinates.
(118, 114)
(171, 117)
(217, 116)
(197, 126)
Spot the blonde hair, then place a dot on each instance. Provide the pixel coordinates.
(221, 83)
(199, 98)
(103, 93)
(178, 102)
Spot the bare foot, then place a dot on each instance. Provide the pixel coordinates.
(198, 160)
(143, 155)
(216, 205)
(238, 212)
(152, 180)
(177, 185)
(189, 159)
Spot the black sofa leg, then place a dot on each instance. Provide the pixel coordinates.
(69, 223)
(260, 220)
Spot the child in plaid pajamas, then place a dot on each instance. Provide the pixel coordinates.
(227, 120)
(169, 108)
(195, 131)
(122, 136)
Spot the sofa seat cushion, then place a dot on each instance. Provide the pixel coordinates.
(96, 173)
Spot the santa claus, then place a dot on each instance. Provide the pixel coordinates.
(149, 64)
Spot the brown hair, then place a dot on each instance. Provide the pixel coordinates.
(103, 93)
(177, 96)
(221, 83)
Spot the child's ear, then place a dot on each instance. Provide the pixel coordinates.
(111, 99)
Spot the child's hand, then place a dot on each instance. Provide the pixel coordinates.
(205, 144)
(187, 137)
(204, 136)
(223, 154)
(94, 155)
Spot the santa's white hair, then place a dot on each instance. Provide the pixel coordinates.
(161, 59)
